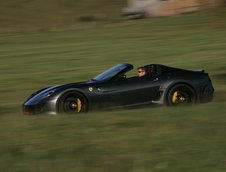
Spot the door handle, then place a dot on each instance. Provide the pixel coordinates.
(104, 90)
(156, 79)
(99, 89)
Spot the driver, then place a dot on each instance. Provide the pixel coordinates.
(141, 71)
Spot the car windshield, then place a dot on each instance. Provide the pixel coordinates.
(110, 72)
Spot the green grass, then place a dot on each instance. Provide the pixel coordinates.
(188, 139)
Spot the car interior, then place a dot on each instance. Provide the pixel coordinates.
(150, 71)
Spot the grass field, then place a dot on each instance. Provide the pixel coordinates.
(188, 139)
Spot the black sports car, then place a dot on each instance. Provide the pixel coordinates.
(112, 89)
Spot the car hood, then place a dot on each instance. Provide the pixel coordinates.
(48, 92)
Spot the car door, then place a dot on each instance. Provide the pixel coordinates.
(130, 91)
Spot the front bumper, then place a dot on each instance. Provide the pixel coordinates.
(48, 108)
(33, 109)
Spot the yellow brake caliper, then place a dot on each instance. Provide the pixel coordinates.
(79, 105)
(174, 98)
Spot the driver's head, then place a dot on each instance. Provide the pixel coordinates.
(141, 71)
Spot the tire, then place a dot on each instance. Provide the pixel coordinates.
(72, 103)
(181, 94)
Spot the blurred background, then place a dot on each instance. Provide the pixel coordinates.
(51, 42)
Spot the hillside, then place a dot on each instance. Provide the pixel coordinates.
(33, 14)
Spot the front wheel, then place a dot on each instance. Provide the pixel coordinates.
(181, 94)
(72, 103)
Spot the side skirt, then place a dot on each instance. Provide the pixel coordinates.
(143, 104)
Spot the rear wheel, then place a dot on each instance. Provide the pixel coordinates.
(181, 94)
(72, 103)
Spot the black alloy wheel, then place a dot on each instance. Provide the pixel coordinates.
(72, 103)
(181, 94)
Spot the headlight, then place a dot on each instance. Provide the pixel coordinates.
(48, 94)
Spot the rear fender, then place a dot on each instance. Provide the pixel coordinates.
(164, 89)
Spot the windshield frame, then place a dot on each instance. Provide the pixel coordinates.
(113, 72)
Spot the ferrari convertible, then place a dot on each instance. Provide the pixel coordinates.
(113, 89)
